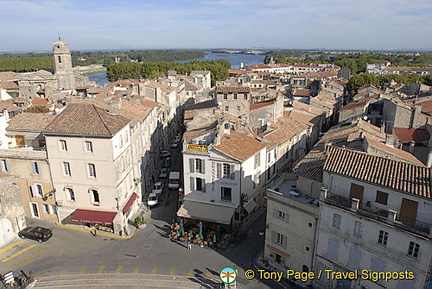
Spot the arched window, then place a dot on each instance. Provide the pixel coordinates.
(95, 196)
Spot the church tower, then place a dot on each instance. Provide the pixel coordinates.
(63, 66)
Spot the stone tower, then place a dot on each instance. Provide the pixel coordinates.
(63, 66)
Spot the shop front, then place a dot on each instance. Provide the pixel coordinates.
(100, 220)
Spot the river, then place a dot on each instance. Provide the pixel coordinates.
(234, 59)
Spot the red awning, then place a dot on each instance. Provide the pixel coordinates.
(94, 217)
(130, 203)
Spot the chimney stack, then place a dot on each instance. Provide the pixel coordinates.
(389, 140)
(114, 106)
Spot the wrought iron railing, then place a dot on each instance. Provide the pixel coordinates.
(368, 210)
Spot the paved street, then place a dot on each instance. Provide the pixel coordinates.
(149, 251)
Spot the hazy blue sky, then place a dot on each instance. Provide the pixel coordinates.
(31, 25)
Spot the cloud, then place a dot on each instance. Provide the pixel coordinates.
(33, 25)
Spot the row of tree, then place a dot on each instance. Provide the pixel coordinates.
(24, 64)
(359, 80)
(35, 61)
(218, 68)
(355, 62)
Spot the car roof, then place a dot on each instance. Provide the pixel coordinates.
(158, 184)
(152, 195)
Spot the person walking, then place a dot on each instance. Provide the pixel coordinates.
(189, 244)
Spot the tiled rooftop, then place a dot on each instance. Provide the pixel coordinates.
(30, 122)
(86, 120)
(395, 175)
(239, 146)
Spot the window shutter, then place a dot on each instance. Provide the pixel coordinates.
(285, 241)
(219, 171)
(232, 172)
(203, 184)
(39, 168)
(275, 213)
(202, 166)
(273, 237)
(192, 185)
(34, 190)
(192, 165)
(34, 164)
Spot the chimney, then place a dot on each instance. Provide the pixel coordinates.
(391, 216)
(411, 146)
(429, 159)
(416, 113)
(355, 203)
(389, 140)
(114, 106)
(382, 128)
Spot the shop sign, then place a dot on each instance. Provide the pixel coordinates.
(195, 147)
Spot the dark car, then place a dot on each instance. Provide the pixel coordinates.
(39, 234)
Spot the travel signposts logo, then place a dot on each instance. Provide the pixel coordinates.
(228, 275)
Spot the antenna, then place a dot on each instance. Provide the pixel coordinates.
(59, 36)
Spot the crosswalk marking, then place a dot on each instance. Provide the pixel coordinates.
(101, 269)
(137, 269)
(190, 273)
(31, 256)
(18, 253)
(63, 272)
(119, 268)
(172, 270)
(11, 246)
(208, 274)
(154, 270)
(83, 269)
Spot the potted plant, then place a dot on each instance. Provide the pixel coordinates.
(140, 223)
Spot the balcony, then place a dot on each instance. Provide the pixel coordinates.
(379, 214)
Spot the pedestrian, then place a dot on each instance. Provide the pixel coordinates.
(93, 232)
(189, 243)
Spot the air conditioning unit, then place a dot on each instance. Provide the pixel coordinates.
(59, 203)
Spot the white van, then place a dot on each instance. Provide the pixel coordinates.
(174, 180)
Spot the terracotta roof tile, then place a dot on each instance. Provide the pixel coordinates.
(392, 174)
(405, 135)
(30, 122)
(135, 112)
(228, 89)
(261, 104)
(86, 120)
(239, 146)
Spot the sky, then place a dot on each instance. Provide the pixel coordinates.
(32, 25)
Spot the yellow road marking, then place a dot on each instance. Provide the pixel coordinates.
(63, 272)
(119, 268)
(18, 253)
(11, 246)
(190, 273)
(101, 269)
(172, 270)
(208, 274)
(83, 269)
(137, 269)
(154, 270)
(32, 256)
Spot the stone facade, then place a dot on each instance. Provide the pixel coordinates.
(12, 217)
(63, 66)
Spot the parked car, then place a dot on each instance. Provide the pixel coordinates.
(167, 163)
(163, 174)
(153, 200)
(157, 188)
(165, 154)
(39, 234)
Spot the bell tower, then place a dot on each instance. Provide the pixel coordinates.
(63, 66)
